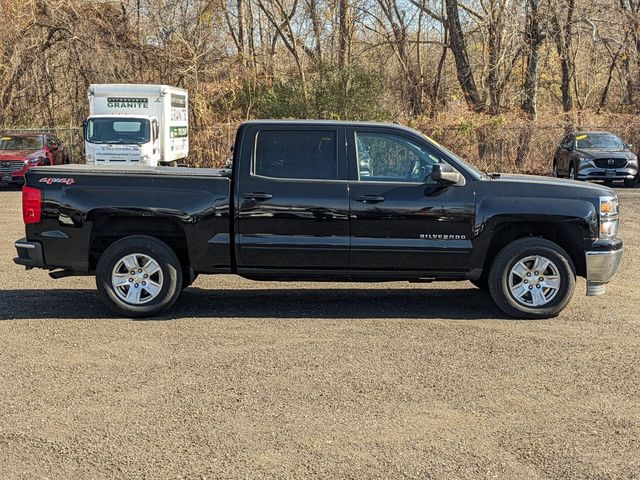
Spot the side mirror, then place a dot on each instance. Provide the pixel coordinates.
(628, 146)
(54, 147)
(445, 174)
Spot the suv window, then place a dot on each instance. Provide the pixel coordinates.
(304, 154)
(386, 157)
(567, 142)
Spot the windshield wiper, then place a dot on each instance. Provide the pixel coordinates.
(491, 174)
(125, 142)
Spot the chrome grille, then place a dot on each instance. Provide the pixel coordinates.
(610, 162)
(10, 166)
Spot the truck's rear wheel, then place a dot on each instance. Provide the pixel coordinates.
(139, 276)
(532, 278)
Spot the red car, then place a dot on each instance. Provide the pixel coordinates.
(22, 151)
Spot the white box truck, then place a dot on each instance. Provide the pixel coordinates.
(136, 125)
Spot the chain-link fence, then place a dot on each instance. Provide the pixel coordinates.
(71, 138)
(525, 148)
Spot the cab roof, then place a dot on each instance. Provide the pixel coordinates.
(331, 123)
(592, 132)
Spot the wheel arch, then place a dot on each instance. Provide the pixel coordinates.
(566, 235)
(109, 229)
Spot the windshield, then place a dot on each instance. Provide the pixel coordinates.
(21, 143)
(599, 140)
(117, 130)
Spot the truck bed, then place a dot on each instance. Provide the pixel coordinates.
(85, 203)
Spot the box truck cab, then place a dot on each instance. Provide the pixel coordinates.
(136, 125)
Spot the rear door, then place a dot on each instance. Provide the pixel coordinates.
(292, 199)
(400, 218)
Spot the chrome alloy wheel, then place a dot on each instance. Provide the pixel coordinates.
(137, 278)
(534, 281)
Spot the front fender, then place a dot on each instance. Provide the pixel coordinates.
(571, 221)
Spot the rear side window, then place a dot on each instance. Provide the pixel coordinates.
(304, 154)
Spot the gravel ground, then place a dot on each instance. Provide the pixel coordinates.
(272, 380)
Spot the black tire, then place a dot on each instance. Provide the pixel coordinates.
(482, 283)
(155, 249)
(509, 256)
(572, 172)
(555, 172)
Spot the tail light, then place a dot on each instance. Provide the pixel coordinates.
(31, 205)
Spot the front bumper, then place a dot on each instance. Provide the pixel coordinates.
(602, 265)
(29, 254)
(595, 173)
(13, 177)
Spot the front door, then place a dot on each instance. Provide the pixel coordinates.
(400, 218)
(292, 199)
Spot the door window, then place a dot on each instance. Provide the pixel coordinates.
(385, 157)
(303, 154)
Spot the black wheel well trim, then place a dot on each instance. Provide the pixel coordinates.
(568, 236)
(107, 231)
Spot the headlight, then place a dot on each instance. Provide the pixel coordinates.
(608, 228)
(37, 160)
(585, 160)
(145, 159)
(608, 206)
(608, 216)
(90, 159)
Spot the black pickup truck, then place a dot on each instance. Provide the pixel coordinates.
(312, 200)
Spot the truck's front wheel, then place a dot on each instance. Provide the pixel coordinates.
(139, 276)
(532, 278)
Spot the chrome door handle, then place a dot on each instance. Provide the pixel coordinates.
(370, 198)
(257, 196)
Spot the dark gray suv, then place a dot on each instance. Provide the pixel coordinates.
(595, 156)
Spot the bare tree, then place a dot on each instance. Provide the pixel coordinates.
(458, 46)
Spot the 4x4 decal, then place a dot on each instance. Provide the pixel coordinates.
(49, 180)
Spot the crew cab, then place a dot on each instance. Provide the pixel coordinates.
(20, 152)
(322, 201)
